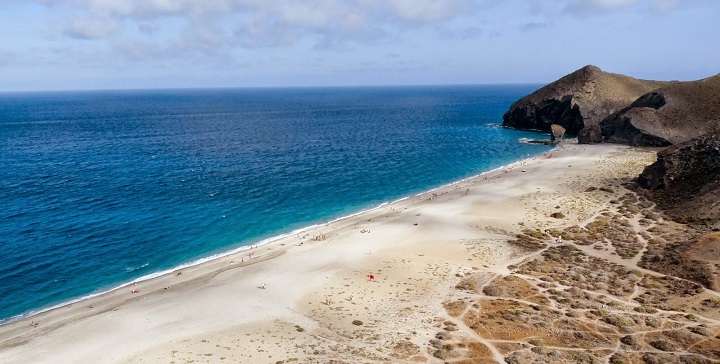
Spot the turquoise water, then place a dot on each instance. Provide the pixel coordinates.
(102, 188)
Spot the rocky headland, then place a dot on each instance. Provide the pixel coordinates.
(598, 106)
(579, 100)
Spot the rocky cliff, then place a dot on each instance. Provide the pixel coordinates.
(685, 180)
(674, 113)
(582, 98)
(685, 184)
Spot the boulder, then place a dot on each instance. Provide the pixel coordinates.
(557, 133)
(590, 134)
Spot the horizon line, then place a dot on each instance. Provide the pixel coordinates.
(209, 88)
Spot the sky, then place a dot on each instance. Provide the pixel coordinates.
(141, 44)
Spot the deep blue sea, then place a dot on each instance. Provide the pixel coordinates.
(101, 188)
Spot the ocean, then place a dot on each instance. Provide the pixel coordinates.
(100, 188)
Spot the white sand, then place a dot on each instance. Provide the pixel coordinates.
(216, 312)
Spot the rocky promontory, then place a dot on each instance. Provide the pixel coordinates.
(598, 106)
(581, 99)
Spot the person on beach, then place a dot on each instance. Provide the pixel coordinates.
(263, 286)
(371, 278)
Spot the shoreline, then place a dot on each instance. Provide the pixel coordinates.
(202, 260)
(213, 260)
(431, 257)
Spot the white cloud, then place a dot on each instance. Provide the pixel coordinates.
(343, 17)
(262, 30)
(199, 25)
(662, 6)
(89, 27)
(427, 11)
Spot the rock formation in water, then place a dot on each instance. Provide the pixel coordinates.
(577, 101)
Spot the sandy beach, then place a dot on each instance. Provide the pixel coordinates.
(446, 266)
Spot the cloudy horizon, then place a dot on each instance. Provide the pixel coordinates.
(136, 44)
